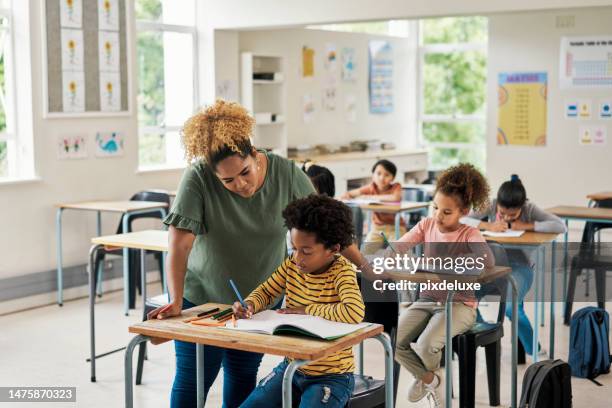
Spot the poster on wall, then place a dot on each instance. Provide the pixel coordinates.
(108, 51)
(329, 98)
(331, 58)
(307, 62)
(71, 13)
(592, 135)
(72, 50)
(347, 58)
(605, 110)
(522, 108)
(109, 144)
(110, 92)
(108, 15)
(308, 108)
(71, 147)
(73, 91)
(586, 62)
(350, 107)
(381, 76)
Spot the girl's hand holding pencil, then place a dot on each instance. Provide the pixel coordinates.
(242, 312)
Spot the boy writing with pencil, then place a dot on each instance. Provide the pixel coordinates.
(317, 281)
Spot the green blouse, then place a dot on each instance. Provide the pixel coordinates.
(236, 238)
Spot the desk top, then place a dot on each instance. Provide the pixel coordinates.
(488, 275)
(602, 195)
(302, 348)
(172, 193)
(394, 207)
(113, 206)
(568, 211)
(528, 238)
(152, 240)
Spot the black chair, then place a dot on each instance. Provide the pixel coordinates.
(133, 254)
(487, 335)
(589, 256)
(150, 305)
(382, 309)
(358, 224)
(414, 194)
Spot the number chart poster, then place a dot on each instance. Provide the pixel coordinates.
(522, 109)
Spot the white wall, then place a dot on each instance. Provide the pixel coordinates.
(332, 127)
(562, 172)
(27, 241)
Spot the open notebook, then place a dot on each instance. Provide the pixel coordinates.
(271, 322)
(505, 234)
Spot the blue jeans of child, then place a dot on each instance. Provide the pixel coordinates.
(239, 373)
(330, 391)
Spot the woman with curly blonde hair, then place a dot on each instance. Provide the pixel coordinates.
(226, 223)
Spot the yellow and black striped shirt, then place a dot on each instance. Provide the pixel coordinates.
(333, 295)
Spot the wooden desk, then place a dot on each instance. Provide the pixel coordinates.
(300, 349)
(537, 241)
(602, 195)
(172, 193)
(127, 208)
(392, 208)
(488, 275)
(149, 240)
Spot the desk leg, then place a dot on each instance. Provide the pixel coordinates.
(60, 271)
(565, 262)
(553, 294)
(92, 303)
(514, 325)
(448, 350)
(360, 347)
(386, 342)
(288, 381)
(126, 269)
(398, 218)
(543, 287)
(164, 274)
(143, 278)
(101, 271)
(536, 306)
(200, 375)
(129, 384)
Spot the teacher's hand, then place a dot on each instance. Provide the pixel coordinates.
(241, 312)
(295, 310)
(166, 311)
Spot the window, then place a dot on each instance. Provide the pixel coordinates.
(394, 28)
(167, 82)
(9, 144)
(453, 74)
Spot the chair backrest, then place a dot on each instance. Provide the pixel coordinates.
(412, 194)
(147, 195)
(358, 224)
(590, 228)
(498, 287)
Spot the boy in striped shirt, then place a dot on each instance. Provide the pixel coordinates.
(317, 281)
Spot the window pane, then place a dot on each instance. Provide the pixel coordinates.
(178, 77)
(150, 79)
(179, 12)
(455, 83)
(4, 37)
(442, 158)
(454, 30)
(151, 150)
(175, 154)
(3, 160)
(443, 132)
(396, 28)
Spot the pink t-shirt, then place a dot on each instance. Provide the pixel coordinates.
(426, 231)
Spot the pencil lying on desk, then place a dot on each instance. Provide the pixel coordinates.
(203, 315)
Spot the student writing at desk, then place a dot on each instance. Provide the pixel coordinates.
(318, 281)
(225, 224)
(512, 211)
(459, 189)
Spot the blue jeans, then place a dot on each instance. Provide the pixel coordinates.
(331, 391)
(239, 373)
(523, 275)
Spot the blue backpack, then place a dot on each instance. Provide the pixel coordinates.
(589, 352)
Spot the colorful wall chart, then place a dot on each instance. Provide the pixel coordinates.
(381, 77)
(586, 62)
(522, 109)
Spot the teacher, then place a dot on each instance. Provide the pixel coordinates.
(225, 224)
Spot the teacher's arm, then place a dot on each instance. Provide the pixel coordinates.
(180, 242)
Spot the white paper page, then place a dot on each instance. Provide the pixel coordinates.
(507, 234)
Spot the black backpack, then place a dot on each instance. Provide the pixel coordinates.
(547, 384)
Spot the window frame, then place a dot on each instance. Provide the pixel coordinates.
(423, 118)
(163, 129)
(10, 135)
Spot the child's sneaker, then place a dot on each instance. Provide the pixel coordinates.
(417, 391)
(433, 398)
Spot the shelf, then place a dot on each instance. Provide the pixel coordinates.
(280, 122)
(267, 82)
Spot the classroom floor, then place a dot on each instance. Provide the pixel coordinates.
(48, 346)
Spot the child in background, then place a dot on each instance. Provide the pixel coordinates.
(318, 281)
(511, 210)
(382, 188)
(458, 190)
(322, 179)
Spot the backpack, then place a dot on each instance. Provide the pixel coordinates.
(547, 384)
(589, 353)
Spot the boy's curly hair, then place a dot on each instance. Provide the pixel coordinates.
(218, 131)
(465, 183)
(329, 219)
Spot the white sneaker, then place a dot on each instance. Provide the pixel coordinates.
(433, 398)
(417, 391)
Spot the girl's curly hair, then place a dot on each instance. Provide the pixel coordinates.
(465, 183)
(218, 131)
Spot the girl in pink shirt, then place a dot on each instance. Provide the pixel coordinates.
(421, 327)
